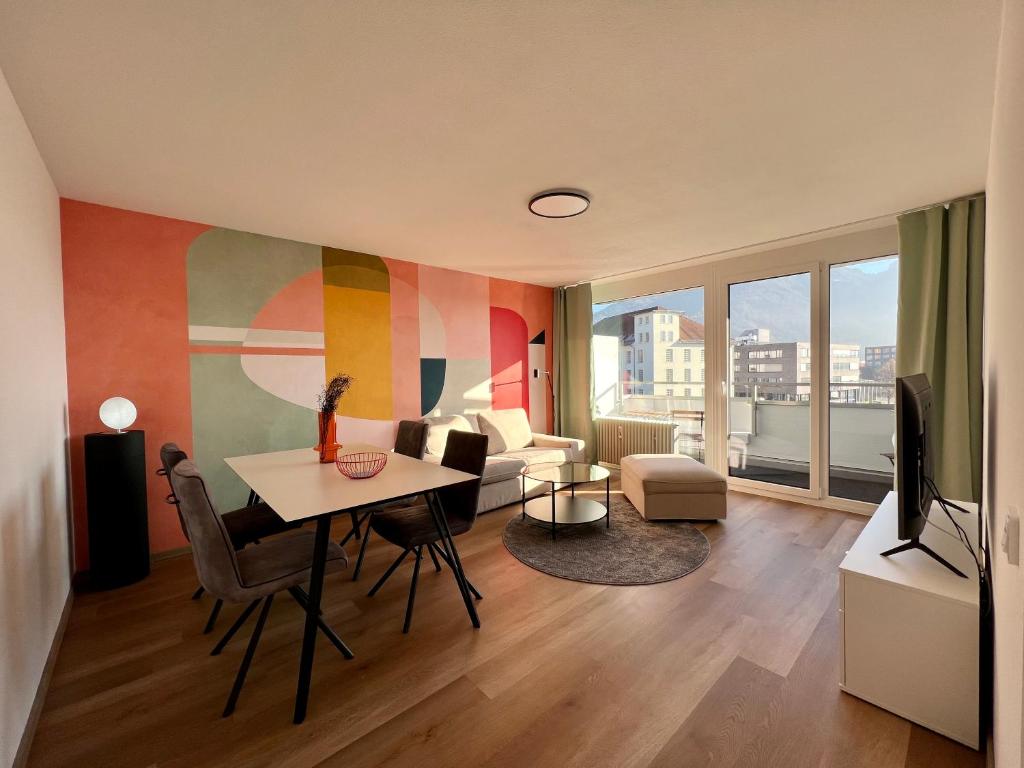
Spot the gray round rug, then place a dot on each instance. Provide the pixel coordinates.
(631, 551)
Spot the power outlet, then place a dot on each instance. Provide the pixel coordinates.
(1011, 536)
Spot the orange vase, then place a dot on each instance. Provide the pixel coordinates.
(328, 436)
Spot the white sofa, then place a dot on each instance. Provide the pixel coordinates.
(511, 446)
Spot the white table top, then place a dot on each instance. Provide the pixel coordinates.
(299, 487)
(914, 569)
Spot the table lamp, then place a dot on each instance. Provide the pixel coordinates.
(118, 413)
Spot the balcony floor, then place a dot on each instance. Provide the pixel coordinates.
(860, 489)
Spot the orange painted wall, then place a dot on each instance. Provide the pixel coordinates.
(126, 321)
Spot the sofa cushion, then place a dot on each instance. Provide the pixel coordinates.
(506, 430)
(496, 468)
(534, 456)
(438, 428)
(669, 473)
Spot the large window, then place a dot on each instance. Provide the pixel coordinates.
(674, 353)
(799, 345)
(861, 410)
(769, 416)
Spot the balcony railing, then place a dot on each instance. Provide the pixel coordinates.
(770, 423)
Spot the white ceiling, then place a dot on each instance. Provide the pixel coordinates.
(419, 130)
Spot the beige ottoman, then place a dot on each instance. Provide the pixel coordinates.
(663, 486)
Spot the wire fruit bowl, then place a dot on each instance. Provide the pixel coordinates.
(360, 466)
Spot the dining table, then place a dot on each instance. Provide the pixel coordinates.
(299, 488)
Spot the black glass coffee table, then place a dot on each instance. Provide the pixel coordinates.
(556, 508)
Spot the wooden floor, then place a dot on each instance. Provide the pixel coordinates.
(732, 665)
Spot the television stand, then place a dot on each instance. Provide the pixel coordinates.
(915, 543)
(910, 631)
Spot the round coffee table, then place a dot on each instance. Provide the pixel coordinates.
(556, 509)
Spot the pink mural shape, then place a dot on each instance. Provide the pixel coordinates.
(510, 356)
(463, 302)
(293, 320)
(299, 306)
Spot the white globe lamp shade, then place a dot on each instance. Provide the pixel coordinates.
(118, 413)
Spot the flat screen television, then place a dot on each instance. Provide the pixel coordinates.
(915, 464)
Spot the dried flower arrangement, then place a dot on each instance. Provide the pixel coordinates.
(327, 402)
(331, 394)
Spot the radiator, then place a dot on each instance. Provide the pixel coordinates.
(622, 437)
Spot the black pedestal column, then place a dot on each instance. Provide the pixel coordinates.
(115, 491)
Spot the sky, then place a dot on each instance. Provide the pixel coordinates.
(863, 300)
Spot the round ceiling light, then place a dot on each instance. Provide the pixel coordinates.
(559, 204)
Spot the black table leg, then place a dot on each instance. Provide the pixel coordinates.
(553, 492)
(441, 523)
(608, 501)
(316, 588)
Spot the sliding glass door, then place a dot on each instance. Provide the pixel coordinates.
(770, 386)
(862, 365)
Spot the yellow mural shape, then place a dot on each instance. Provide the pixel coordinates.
(357, 330)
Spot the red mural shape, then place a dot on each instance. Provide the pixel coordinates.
(509, 360)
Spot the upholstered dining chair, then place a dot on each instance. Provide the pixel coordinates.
(411, 440)
(252, 575)
(413, 528)
(246, 525)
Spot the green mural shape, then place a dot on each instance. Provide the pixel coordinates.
(231, 275)
(231, 416)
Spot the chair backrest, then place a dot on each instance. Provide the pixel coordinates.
(411, 439)
(466, 452)
(170, 455)
(212, 551)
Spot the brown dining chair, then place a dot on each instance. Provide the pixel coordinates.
(252, 575)
(413, 528)
(410, 441)
(246, 525)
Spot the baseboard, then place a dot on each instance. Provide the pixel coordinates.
(169, 553)
(21, 756)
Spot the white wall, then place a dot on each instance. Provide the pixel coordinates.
(1004, 379)
(34, 560)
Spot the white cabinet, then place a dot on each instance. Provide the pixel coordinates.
(910, 628)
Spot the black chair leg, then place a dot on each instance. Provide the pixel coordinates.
(412, 590)
(210, 622)
(362, 553)
(388, 573)
(430, 551)
(198, 593)
(234, 628)
(250, 651)
(357, 524)
(301, 598)
(444, 556)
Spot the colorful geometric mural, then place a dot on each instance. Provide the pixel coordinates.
(280, 317)
(236, 333)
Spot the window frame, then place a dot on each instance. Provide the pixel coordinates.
(814, 254)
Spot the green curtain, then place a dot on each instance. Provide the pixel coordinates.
(574, 365)
(939, 332)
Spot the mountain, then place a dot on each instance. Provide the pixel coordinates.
(690, 301)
